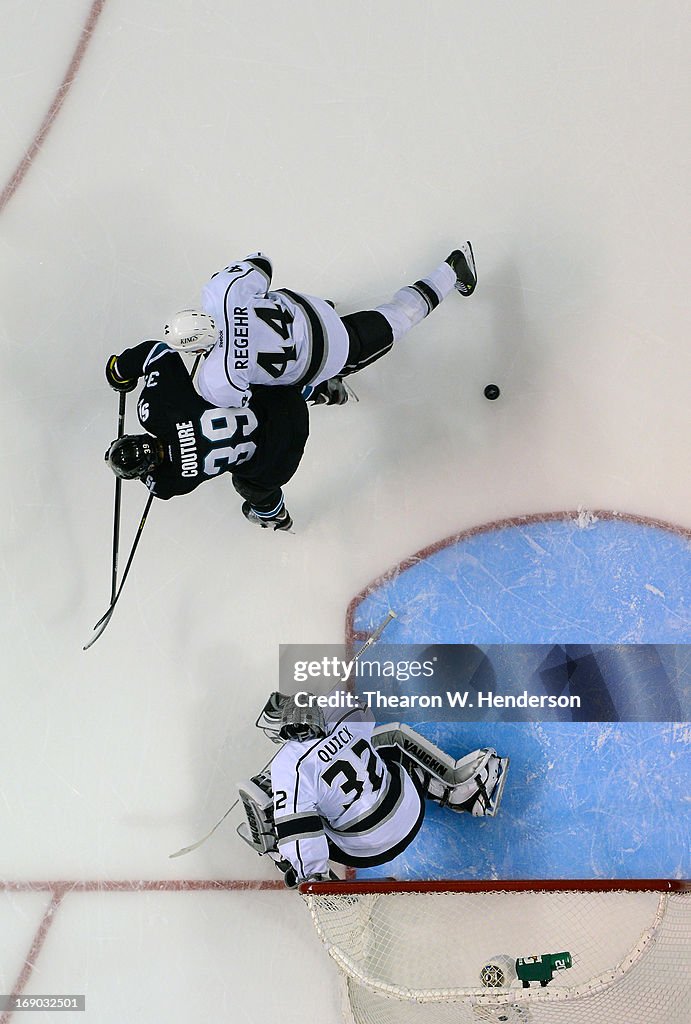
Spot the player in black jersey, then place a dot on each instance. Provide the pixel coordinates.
(188, 440)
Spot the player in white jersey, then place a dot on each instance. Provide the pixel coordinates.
(342, 789)
(255, 335)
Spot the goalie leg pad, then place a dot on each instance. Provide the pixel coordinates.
(258, 830)
(474, 783)
(486, 786)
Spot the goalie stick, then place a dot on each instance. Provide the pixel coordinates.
(372, 639)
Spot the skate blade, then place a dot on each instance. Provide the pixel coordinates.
(461, 287)
(498, 791)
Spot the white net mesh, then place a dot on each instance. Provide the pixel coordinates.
(418, 956)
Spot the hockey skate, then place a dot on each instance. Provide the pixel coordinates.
(462, 262)
(276, 521)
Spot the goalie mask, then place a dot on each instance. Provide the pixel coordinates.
(190, 330)
(302, 723)
(134, 455)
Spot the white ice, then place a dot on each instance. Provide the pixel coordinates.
(356, 144)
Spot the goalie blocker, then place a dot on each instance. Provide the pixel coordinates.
(351, 792)
(259, 832)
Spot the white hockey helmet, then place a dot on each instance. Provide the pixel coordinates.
(190, 330)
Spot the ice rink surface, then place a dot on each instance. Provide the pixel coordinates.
(356, 145)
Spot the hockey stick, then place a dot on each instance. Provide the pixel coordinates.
(372, 639)
(105, 619)
(116, 509)
(115, 593)
(195, 364)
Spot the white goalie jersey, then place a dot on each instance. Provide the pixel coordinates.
(266, 337)
(337, 796)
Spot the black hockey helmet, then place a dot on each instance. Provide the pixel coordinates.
(133, 455)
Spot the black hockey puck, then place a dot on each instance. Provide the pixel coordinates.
(492, 392)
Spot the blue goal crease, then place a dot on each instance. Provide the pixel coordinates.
(582, 799)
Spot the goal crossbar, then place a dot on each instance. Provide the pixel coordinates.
(383, 885)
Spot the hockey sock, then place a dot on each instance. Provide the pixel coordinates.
(413, 303)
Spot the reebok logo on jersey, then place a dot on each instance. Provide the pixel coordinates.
(188, 448)
(337, 741)
(240, 337)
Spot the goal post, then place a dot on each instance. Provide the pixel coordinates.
(537, 952)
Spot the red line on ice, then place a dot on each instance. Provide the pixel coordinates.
(59, 98)
(60, 889)
(36, 945)
(142, 885)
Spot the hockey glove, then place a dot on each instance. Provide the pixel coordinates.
(117, 382)
(292, 881)
(290, 876)
(330, 392)
(281, 521)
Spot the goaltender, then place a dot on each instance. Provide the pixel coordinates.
(348, 791)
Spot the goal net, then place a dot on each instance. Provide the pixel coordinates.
(587, 952)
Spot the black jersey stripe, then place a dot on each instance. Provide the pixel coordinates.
(394, 851)
(428, 294)
(317, 336)
(263, 265)
(302, 871)
(381, 811)
(301, 827)
(352, 860)
(421, 294)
